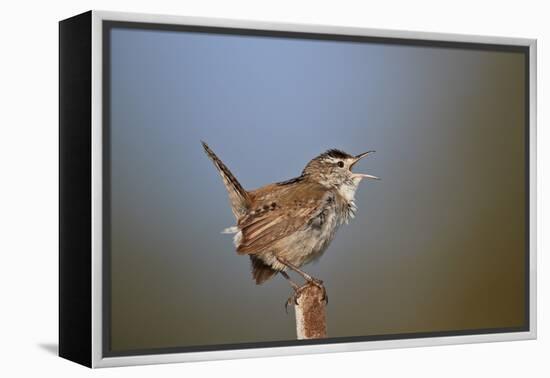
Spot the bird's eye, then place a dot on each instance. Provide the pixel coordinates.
(341, 164)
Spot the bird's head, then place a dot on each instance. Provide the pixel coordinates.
(333, 169)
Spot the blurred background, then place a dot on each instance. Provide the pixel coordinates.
(437, 245)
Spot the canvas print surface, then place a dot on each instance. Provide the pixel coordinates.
(437, 246)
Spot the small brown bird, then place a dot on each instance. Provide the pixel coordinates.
(288, 224)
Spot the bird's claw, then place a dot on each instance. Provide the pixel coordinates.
(320, 285)
(293, 299)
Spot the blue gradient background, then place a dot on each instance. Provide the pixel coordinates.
(437, 245)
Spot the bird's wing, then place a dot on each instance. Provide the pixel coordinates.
(274, 220)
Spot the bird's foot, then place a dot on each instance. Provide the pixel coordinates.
(319, 283)
(293, 299)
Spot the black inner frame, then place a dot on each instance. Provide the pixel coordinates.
(107, 26)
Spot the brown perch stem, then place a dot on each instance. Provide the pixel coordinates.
(311, 319)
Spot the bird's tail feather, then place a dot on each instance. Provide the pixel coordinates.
(239, 198)
(260, 271)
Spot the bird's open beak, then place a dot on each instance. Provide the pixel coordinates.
(363, 175)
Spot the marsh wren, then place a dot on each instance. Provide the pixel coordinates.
(291, 223)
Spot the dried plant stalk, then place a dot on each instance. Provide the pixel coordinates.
(311, 319)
